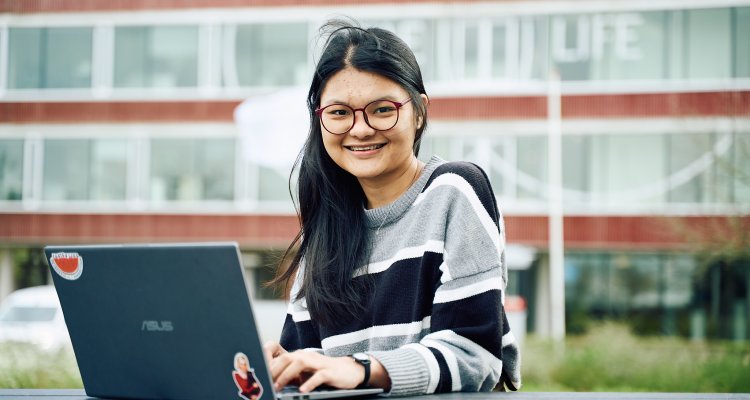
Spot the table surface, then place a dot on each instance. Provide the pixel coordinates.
(79, 394)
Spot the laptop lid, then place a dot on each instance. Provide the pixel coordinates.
(162, 321)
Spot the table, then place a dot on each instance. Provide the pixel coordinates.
(79, 394)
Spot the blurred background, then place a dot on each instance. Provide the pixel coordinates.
(616, 135)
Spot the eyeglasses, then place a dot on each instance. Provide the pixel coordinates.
(380, 115)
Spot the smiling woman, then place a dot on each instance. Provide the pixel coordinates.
(398, 274)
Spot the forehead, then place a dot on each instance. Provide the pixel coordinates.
(354, 86)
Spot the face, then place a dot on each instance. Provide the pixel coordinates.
(370, 155)
(242, 364)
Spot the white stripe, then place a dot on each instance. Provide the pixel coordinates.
(298, 315)
(508, 338)
(451, 179)
(298, 310)
(378, 331)
(313, 350)
(450, 359)
(464, 343)
(445, 296)
(432, 365)
(446, 276)
(435, 246)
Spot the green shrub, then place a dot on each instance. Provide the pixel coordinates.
(24, 366)
(611, 358)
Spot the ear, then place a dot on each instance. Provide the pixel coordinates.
(425, 101)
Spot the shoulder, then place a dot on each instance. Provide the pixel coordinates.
(466, 179)
(462, 175)
(470, 172)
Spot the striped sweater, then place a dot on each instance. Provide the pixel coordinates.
(436, 320)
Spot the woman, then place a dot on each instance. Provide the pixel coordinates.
(398, 278)
(245, 379)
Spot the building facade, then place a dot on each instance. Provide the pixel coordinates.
(116, 125)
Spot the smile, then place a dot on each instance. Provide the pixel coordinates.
(365, 148)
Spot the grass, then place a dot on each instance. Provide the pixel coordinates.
(24, 366)
(608, 358)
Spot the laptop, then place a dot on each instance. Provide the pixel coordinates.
(166, 321)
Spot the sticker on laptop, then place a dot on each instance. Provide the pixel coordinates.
(245, 378)
(67, 265)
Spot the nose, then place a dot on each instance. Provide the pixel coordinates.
(361, 128)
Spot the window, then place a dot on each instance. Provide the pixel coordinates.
(192, 169)
(576, 163)
(272, 54)
(11, 165)
(471, 50)
(741, 168)
(617, 177)
(683, 152)
(532, 167)
(709, 42)
(273, 184)
(84, 169)
(499, 49)
(49, 58)
(165, 56)
(629, 45)
(741, 50)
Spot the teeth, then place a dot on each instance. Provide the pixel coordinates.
(366, 148)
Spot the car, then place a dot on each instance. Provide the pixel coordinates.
(33, 315)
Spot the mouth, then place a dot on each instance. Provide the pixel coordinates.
(366, 148)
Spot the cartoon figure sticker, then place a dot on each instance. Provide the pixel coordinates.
(245, 379)
(67, 265)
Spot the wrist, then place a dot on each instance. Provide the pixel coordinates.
(364, 360)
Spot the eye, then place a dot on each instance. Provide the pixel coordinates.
(385, 109)
(337, 111)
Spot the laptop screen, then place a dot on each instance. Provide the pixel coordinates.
(160, 321)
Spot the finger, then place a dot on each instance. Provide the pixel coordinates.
(272, 349)
(318, 378)
(299, 363)
(279, 364)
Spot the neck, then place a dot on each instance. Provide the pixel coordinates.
(385, 192)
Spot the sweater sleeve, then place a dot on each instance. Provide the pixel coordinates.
(469, 335)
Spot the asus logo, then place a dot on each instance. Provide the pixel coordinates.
(157, 326)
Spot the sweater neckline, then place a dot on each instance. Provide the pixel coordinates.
(387, 214)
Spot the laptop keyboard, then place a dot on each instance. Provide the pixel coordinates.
(295, 389)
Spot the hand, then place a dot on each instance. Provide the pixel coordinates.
(313, 369)
(272, 350)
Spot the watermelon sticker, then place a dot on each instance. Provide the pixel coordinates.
(67, 265)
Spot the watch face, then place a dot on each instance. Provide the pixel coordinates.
(361, 357)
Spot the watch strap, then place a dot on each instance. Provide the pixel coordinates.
(363, 360)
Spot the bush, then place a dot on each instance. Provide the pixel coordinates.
(610, 358)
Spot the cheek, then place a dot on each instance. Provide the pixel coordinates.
(330, 145)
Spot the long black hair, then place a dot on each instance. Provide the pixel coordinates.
(333, 240)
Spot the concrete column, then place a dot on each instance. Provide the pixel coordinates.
(543, 311)
(6, 273)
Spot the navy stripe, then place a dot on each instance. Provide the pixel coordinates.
(469, 318)
(389, 302)
(299, 335)
(445, 384)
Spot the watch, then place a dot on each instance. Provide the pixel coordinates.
(364, 360)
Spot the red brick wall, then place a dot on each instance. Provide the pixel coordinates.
(444, 108)
(277, 231)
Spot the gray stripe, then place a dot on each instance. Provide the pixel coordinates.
(376, 344)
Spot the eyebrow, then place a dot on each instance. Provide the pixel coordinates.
(388, 97)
